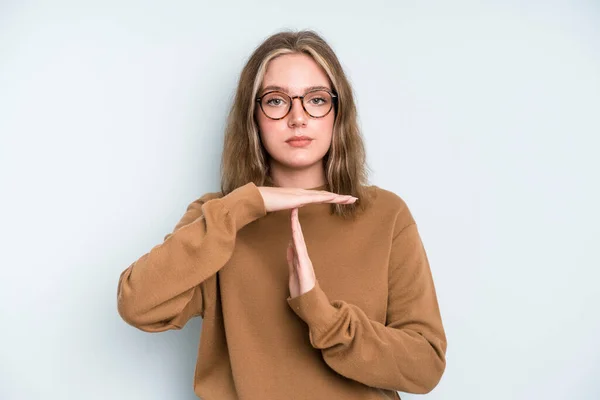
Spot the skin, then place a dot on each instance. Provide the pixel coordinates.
(295, 169)
(289, 166)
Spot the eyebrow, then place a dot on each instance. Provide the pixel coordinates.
(286, 90)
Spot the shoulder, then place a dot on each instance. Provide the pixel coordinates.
(389, 206)
(386, 199)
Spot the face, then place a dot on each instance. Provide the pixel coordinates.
(295, 75)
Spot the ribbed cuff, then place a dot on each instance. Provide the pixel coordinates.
(314, 308)
(245, 204)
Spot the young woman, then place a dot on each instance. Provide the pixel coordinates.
(305, 292)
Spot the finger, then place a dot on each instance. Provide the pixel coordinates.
(325, 192)
(290, 253)
(331, 198)
(290, 259)
(294, 226)
(322, 193)
(298, 236)
(350, 200)
(320, 197)
(303, 267)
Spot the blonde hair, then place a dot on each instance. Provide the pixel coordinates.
(244, 157)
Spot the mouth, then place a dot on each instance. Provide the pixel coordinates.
(299, 141)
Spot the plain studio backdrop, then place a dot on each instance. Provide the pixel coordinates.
(485, 119)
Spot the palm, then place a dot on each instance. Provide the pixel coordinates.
(302, 275)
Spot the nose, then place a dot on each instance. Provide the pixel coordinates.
(298, 116)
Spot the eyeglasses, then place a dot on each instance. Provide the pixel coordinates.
(277, 105)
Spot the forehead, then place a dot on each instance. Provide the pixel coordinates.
(295, 72)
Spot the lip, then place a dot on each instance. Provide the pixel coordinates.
(299, 139)
(299, 143)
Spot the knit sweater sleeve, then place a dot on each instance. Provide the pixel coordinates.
(407, 353)
(163, 289)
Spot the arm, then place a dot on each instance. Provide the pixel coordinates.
(163, 289)
(405, 354)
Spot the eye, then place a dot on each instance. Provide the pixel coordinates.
(274, 102)
(317, 98)
(318, 101)
(275, 99)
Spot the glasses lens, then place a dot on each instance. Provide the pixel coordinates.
(275, 104)
(318, 103)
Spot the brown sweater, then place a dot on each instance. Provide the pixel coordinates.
(370, 327)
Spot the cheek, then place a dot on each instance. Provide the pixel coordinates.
(326, 127)
(260, 120)
(269, 130)
(263, 124)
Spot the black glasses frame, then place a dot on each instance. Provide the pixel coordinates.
(333, 102)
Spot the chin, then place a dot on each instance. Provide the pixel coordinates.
(300, 162)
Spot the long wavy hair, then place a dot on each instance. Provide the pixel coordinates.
(244, 157)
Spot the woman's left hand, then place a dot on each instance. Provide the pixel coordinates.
(302, 274)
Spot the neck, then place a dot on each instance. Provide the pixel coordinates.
(306, 178)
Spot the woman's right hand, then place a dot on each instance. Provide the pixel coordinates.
(277, 198)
